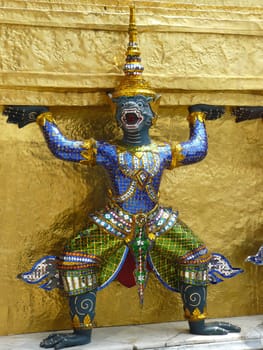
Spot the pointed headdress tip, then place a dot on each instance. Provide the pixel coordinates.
(133, 83)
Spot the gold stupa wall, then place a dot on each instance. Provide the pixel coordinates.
(66, 55)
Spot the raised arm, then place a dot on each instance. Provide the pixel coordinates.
(195, 149)
(59, 145)
(63, 148)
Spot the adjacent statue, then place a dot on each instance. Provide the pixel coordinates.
(133, 226)
(256, 259)
(245, 113)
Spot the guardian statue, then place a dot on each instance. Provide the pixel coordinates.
(133, 226)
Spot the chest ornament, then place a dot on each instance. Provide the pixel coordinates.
(140, 168)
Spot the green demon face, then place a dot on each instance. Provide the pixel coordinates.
(134, 113)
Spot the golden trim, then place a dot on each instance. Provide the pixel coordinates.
(87, 324)
(194, 116)
(76, 322)
(132, 83)
(136, 176)
(41, 119)
(89, 153)
(154, 196)
(177, 155)
(128, 236)
(113, 204)
(203, 259)
(89, 143)
(196, 315)
(139, 150)
(151, 236)
(133, 50)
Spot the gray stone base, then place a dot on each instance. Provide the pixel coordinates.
(163, 336)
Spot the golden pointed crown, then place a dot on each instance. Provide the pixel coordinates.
(133, 83)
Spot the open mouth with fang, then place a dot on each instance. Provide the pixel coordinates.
(131, 118)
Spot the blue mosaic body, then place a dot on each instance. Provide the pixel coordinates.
(60, 146)
(195, 149)
(135, 178)
(135, 172)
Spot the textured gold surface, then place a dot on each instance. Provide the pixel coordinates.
(71, 53)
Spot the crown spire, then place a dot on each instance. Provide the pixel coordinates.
(132, 26)
(133, 64)
(133, 47)
(133, 83)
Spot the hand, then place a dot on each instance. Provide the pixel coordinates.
(23, 115)
(212, 112)
(247, 113)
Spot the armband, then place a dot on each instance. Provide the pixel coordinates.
(194, 116)
(177, 155)
(41, 119)
(89, 153)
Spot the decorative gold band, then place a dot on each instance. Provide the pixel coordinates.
(90, 152)
(196, 315)
(79, 281)
(192, 117)
(87, 324)
(41, 119)
(177, 155)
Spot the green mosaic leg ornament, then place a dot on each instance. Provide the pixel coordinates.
(90, 260)
(179, 256)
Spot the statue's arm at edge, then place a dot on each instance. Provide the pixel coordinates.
(195, 149)
(83, 152)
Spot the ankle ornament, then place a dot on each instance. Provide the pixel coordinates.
(195, 315)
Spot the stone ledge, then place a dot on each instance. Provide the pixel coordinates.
(164, 336)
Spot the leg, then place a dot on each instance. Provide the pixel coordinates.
(180, 261)
(194, 300)
(89, 261)
(81, 272)
(78, 272)
(82, 309)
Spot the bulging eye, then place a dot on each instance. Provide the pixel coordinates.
(140, 104)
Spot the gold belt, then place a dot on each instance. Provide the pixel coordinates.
(140, 219)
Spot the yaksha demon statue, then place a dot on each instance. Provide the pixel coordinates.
(133, 225)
